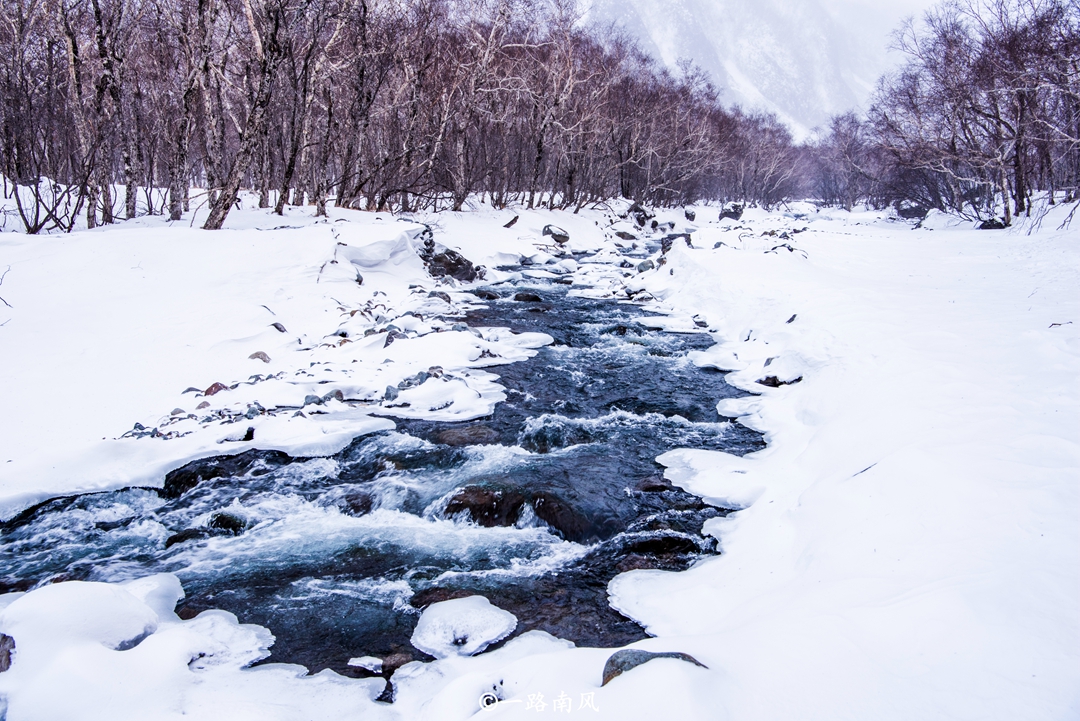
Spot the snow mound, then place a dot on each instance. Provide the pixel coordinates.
(76, 612)
(461, 627)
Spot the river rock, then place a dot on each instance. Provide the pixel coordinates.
(690, 215)
(188, 534)
(662, 544)
(486, 295)
(475, 435)
(557, 234)
(255, 462)
(259, 355)
(774, 382)
(630, 658)
(558, 514)
(527, 298)
(444, 297)
(7, 645)
(645, 265)
(448, 263)
(436, 594)
(392, 336)
(228, 523)
(623, 235)
(356, 503)
(733, 211)
(461, 627)
(640, 214)
(487, 507)
(215, 388)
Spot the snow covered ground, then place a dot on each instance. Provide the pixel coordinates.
(909, 544)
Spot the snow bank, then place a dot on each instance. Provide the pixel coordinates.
(141, 347)
(908, 546)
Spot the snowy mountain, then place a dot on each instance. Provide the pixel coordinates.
(802, 59)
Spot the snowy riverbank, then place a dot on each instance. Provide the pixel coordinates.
(908, 545)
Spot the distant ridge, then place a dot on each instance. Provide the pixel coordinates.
(802, 59)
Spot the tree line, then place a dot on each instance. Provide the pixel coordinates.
(117, 107)
(983, 115)
(111, 108)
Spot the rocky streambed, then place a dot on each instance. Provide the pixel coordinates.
(536, 507)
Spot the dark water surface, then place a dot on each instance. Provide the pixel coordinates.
(537, 506)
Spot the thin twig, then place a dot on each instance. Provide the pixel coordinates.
(2, 276)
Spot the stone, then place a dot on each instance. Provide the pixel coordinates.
(558, 514)
(623, 235)
(178, 411)
(527, 298)
(183, 479)
(436, 594)
(215, 388)
(668, 240)
(992, 224)
(312, 400)
(393, 336)
(655, 484)
(445, 297)
(640, 214)
(475, 435)
(663, 544)
(448, 263)
(414, 380)
(690, 215)
(356, 503)
(774, 382)
(228, 523)
(395, 661)
(557, 234)
(336, 395)
(487, 507)
(7, 645)
(280, 328)
(486, 295)
(259, 355)
(630, 658)
(645, 265)
(189, 534)
(391, 393)
(733, 211)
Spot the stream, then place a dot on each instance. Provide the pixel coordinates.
(536, 507)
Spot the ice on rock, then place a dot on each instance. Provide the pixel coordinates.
(461, 627)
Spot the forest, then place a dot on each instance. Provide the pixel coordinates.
(113, 108)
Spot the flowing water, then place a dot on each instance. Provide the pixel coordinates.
(537, 506)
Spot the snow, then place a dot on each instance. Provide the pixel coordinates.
(108, 328)
(906, 545)
(461, 627)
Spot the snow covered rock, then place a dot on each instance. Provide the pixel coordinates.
(75, 612)
(629, 658)
(461, 627)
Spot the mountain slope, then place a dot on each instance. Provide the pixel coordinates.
(802, 59)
